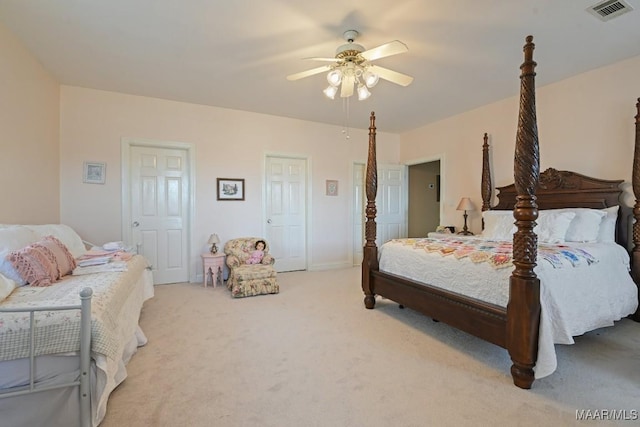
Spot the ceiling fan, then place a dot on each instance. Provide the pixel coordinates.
(352, 68)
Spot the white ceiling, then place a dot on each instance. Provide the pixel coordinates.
(237, 53)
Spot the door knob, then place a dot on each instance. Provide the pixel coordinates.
(135, 224)
(268, 221)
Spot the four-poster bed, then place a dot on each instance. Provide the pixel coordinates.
(516, 325)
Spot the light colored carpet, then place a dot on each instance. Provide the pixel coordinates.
(314, 356)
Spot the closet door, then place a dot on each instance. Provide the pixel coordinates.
(159, 189)
(286, 213)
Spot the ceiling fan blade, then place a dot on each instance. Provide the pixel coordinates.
(311, 72)
(347, 86)
(321, 59)
(392, 48)
(392, 76)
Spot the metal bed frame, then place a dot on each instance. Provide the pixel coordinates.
(84, 382)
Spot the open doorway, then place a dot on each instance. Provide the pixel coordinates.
(424, 198)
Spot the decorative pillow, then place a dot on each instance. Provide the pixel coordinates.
(35, 265)
(585, 225)
(14, 237)
(498, 225)
(63, 259)
(551, 225)
(607, 231)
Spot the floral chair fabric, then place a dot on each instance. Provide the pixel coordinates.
(247, 280)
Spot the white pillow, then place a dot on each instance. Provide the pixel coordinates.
(551, 226)
(16, 237)
(498, 225)
(585, 225)
(607, 231)
(64, 233)
(6, 287)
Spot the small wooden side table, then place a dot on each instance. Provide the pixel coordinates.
(214, 264)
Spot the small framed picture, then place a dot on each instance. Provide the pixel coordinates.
(332, 187)
(94, 172)
(230, 188)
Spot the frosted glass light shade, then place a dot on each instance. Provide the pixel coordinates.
(363, 93)
(370, 79)
(334, 77)
(331, 91)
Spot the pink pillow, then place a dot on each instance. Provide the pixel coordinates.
(35, 265)
(44, 262)
(63, 258)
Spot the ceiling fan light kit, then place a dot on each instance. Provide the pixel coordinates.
(352, 71)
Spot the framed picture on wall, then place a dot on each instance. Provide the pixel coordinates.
(94, 172)
(332, 187)
(230, 188)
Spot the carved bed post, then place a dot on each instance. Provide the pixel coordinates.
(635, 178)
(485, 185)
(370, 258)
(523, 309)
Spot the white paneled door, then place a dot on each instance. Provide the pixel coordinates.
(159, 180)
(286, 228)
(391, 202)
(391, 205)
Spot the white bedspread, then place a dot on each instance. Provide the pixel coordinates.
(573, 300)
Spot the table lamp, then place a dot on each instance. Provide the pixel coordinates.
(465, 205)
(213, 241)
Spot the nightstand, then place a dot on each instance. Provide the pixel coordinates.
(214, 264)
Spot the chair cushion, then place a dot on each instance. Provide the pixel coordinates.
(249, 288)
(253, 271)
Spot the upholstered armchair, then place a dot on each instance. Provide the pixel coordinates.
(245, 279)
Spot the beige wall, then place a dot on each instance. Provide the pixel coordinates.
(585, 124)
(229, 144)
(29, 132)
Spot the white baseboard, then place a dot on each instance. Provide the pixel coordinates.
(330, 266)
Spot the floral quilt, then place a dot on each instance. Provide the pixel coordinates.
(498, 254)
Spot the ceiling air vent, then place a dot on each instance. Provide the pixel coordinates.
(609, 9)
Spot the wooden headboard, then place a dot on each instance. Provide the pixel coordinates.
(566, 189)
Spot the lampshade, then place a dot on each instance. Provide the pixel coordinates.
(370, 79)
(465, 205)
(331, 91)
(334, 77)
(213, 239)
(363, 92)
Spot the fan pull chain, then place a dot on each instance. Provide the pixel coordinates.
(345, 111)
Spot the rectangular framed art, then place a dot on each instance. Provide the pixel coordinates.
(94, 172)
(331, 187)
(230, 188)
